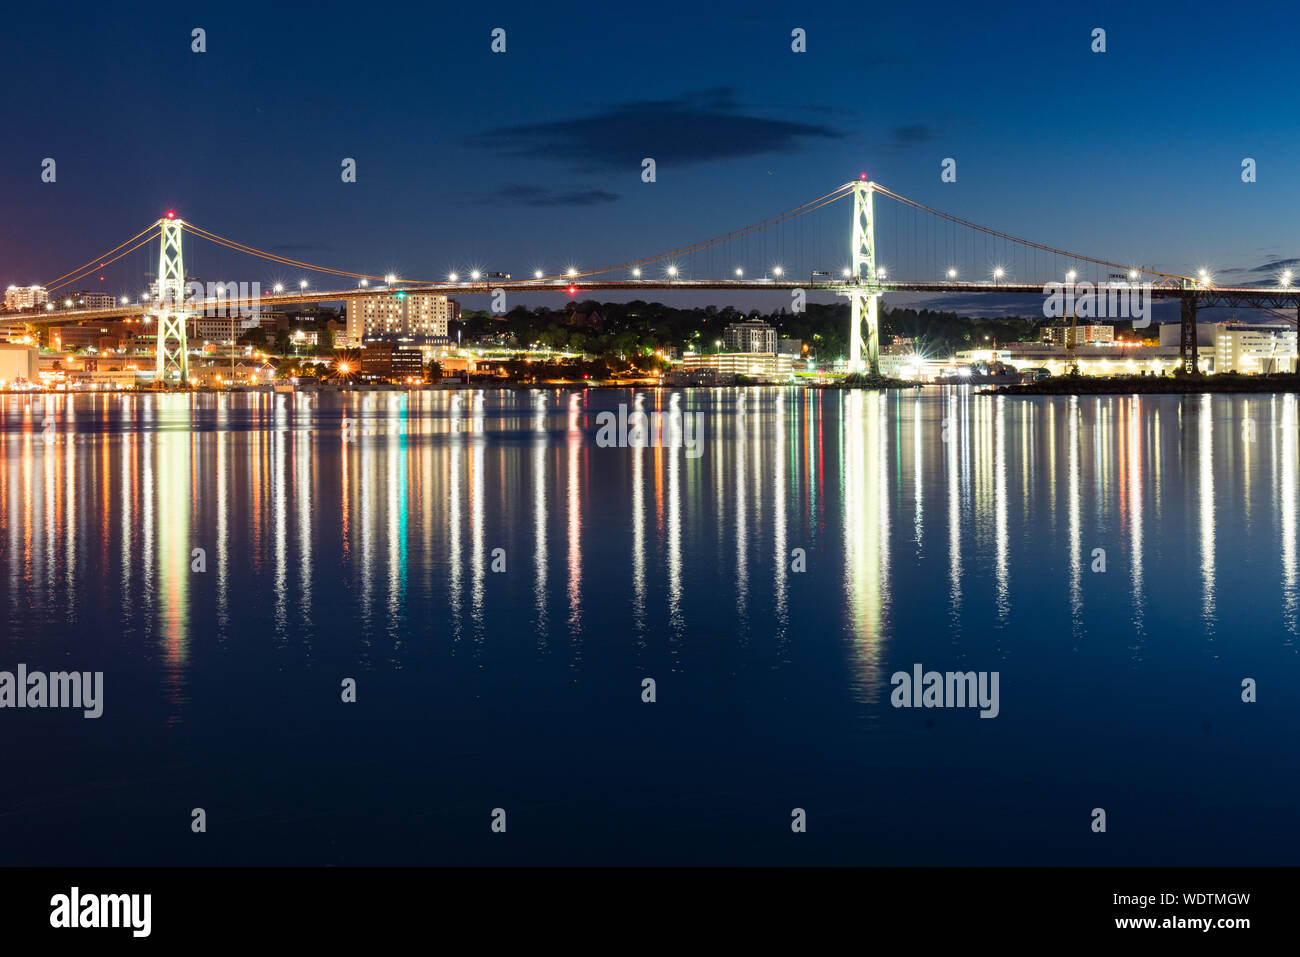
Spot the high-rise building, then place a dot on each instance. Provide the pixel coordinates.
(416, 316)
(751, 336)
(25, 297)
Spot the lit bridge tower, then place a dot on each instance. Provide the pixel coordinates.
(861, 300)
(169, 309)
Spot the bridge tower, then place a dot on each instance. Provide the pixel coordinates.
(862, 303)
(169, 309)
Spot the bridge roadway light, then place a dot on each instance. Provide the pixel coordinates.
(474, 275)
(302, 284)
(537, 274)
(881, 273)
(279, 287)
(952, 274)
(364, 283)
(777, 271)
(847, 273)
(452, 277)
(1071, 275)
(997, 274)
(1286, 277)
(1133, 274)
(636, 273)
(571, 272)
(739, 272)
(672, 271)
(390, 278)
(125, 300)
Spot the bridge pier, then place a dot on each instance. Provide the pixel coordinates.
(1187, 354)
(863, 256)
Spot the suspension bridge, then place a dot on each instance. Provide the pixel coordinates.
(936, 252)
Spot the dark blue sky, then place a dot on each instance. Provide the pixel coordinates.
(532, 157)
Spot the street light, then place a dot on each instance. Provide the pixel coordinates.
(952, 274)
(777, 271)
(1071, 275)
(636, 273)
(881, 273)
(672, 271)
(302, 283)
(390, 279)
(365, 283)
(279, 287)
(997, 274)
(537, 274)
(451, 277)
(1286, 277)
(474, 274)
(739, 272)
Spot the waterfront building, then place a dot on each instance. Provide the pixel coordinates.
(389, 361)
(760, 366)
(18, 363)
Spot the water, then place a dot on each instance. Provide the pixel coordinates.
(944, 529)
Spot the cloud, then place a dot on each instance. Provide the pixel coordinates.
(912, 134)
(1276, 266)
(696, 128)
(520, 194)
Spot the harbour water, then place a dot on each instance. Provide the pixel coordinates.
(499, 585)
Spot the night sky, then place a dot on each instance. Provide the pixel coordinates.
(532, 158)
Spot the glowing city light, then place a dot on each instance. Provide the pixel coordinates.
(390, 278)
(777, 271)
(302, 284)
(279, 287)
(537, 274)
(1071, 275)
(636, 273)
(452, 277)
(1286, 277)
(952, 274)
(474, 274)
(672, 270)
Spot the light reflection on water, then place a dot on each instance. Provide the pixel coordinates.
(939, 527)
